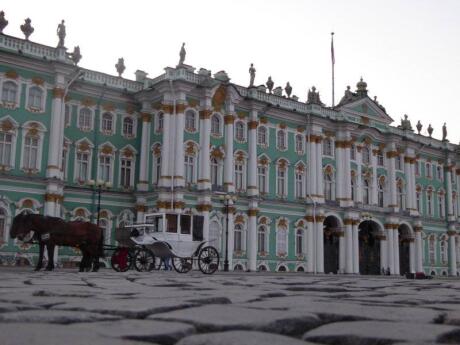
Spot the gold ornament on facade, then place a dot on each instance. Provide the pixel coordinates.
(180, 108)
(229, 119)
(103, 214)
(32, 132)
(11, 74)
(263, 220)
(253, 124)
(128, 153)
(364, 120)
(141, 208)
(216, 153)
(130, 109)
(84, 146)
(282, 223)
(107, 150)
(167, 108)
(38, 81)
(88, 102)
(329, 134)
(263, 120)
(190, 149)
(392, 154)
(239, 219)
(108, 107)
(80, 213)
(146, 117)
(27, 203)
(353, 173)
(241, 114)
(193, 102)
(300, 129)
(382, 146)
(58, 92)
(157, 149)
(205, 114)
(219, 97)
(239, 157)
(6, 125)
(328, 169)
(282, 164)
(282, 125)
(263, 161)
(252, 212)
(300, 223)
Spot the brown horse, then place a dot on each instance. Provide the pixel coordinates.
(52, 231)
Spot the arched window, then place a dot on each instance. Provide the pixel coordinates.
(444, 253)
(67, 115)
(3, 215)
(239, 131)
(381, 183)
(398, 162)
(9, 92)
(299, 143)
(281, 241)
(190, 120)
(262, 240)
(215, 125)
(328, 149)
(35, 97)
(82, 166)
(6, 144)
(366, 155)
(439, 172)
(31, 145)
(128, 127)
(454, 204)
(238, 238)
(299, 250)
(380, 161)
(281, 139)
(214, 171)
(417, 168)
(157, 169)
(107, 123)
(85, 119)
(366, 192)
(262, 135)
(431, 249)
(189, 168)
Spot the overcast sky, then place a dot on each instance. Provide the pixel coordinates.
(407, 51)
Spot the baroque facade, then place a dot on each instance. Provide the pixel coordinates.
(319, 189)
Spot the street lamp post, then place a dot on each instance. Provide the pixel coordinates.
(99, 185)
(228, 200)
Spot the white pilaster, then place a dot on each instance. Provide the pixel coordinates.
(348, 245)
(145, 148)
(56, 141)
(166, 149)
(359, 175)
(252, 162)
(319, 170)
(396, 250)
(204, 177)
(374, 194)
(310, 245)
(383, 253)
(342, 253)
(390, 245)
(452, 251)
(319, 244)
(228, 161)
(312, 163)
(412, 256)
(393, 196)
(252, 236)
(418, 248)
(448, 182)
(355, 247)
(178, 156)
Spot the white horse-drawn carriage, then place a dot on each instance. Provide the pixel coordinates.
(163, 237)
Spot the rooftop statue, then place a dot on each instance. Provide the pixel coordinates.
(75, 55)
(430, 130)
(270, 84)
(419, 126)
(61, 34)
(182, 54)
(3, 21)
(27, 28)
(444, 132)
(288, 90)
(252, 74)
(120, 66)
(313, 97)
(405, 124)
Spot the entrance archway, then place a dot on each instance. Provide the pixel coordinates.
(369, 248)
(404, 248)
(331, 244)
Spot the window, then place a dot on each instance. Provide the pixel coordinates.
(65, 152)
(35, 98)
(189, 168)
(380, 161)
(85, 119)
(400, 191)
(215, 125)
(238, 238)
(262, 135)
(299, 242)
(441, 202)
(156, 168)
(281, 181)
(418, 200)
(107, 123)
(30, 153)
(439, 173)
(299, 184)
(261, 240)
(428, 170)
(398, 162)
(431, 249)
(160, 122)
(6, 142)
(214, 171)
(353, 152)
(126, 172)
(262, 179)
(239, 181)
(299, 143)
(128, 127)
(444, 253)
(366, 192)
(328, 147)
(2, 225)
(281, 140)
(429, 203)
(328, 186)
(82, 166)
(239, 131)
(353, 188)
(417, 168)
(366, 155)
(281, 241)
(67, 117)
(190, 120)
(380, 192)
(9, 92)
(105, 167)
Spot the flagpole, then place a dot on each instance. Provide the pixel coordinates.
(333, 63)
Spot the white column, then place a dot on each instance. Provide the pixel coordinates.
(145, 152)
(342, 253)
(252, 237)
(319, 169)
(55, 136)
(413, 185)
(312, 163)
(408, 175)
(204, 176)
(393, 196)
(390, 244)
(418, 249)
(205, 214)
(310, 244)
(383, 253)
(319, 244)
(340, 170)
(228, 161)
(355, 247)
(359, 175)
(412, 256)
(396, 250)
(178, 156)
(452, 251)
(448, 181)
(230, 238)
(374, 194)
(252, 162)
(347, 173)
(165, 178)
(348, 245)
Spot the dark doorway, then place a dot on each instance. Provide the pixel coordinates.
(404, 249)
(331, 244)
(369, 248)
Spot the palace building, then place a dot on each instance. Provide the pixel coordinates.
(319, 189)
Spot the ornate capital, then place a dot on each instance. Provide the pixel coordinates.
(146, 117)
(451, 232)
(204, 207)
(167, 108)
(229, 119)
(52, 197)
(348, 221)
(180, 108)
(205, 114)
(58, 92)
(252, 212)
(253, 124)
(392, 154)
(142, 208)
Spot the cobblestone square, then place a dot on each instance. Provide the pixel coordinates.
(66, 307)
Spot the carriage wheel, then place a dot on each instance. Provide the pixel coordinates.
(182, 265)
(144, 260)
(121, 259)
(208, 260)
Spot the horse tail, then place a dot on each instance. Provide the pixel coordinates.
(101, 244)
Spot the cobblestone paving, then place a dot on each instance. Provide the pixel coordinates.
(66, 307)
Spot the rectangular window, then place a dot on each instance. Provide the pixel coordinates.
(67, 115)
(82, 166)
(262, 178)
(125, 174)
(281, 182)
(239, 176)
(298, 185)
(105, 166)
(30, 153)
(157, 169)
(5, 148)
(189, 169)
(64, 164)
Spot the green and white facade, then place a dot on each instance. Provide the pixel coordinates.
(318, 189)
